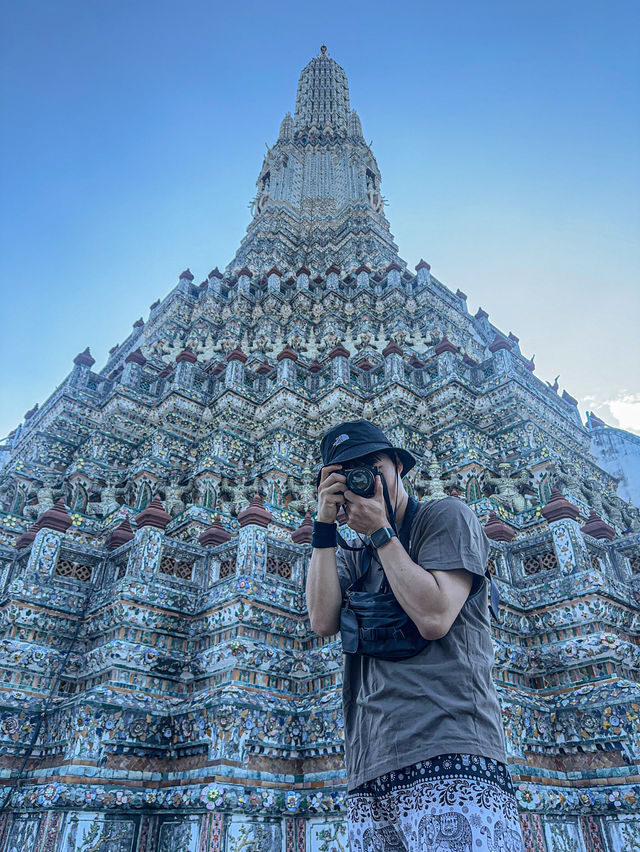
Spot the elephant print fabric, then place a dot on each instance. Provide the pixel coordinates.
(450, 803)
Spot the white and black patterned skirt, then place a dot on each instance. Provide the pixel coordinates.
(450, 803)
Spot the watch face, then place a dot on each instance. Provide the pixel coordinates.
(381, 537)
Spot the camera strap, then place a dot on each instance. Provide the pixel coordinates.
(404, 537)
(346, 546)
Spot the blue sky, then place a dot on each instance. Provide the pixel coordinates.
(508, 136)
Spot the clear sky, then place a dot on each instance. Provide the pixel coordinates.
(508, 136)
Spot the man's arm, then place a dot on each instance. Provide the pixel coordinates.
(324, 595)
(432, 599)
(323, 592)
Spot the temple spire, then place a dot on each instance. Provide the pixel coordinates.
(319, 201)
(322, 102)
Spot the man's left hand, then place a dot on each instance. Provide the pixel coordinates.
(365, 515)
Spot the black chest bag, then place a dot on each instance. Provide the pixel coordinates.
(373, 623)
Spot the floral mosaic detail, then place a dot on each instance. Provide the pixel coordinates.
(212, 797)
(49, 795)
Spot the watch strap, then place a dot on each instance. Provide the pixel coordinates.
(381, 536)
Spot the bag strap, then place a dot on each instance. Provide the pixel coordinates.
(494, 594)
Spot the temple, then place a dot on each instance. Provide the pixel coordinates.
(161, 688)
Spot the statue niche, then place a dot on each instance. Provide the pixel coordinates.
(261, 199)
(373, 192)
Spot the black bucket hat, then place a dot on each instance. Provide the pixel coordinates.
(359, 438)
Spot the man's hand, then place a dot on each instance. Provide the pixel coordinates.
(366, 514)
(330, 493)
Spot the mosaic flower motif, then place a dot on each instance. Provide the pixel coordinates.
(50, 795)
(527, 797)
(225, 720)
(212, 797)
(338, 800)
(614, 798)
(138, 728)
(10, 725)
(315, 802)
(292, 801)
(268, 800)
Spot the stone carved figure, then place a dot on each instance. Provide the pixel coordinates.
(173, 494)
(373, 194)
(507, 492)
(260, 201)
(631, 516)
(45, 497)
(109, 492)
(565, 477)
(304, 493)
(241, 495)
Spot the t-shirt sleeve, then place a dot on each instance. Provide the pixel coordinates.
(452, 537)
(346, 568)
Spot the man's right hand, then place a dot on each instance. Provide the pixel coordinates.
(330, 493)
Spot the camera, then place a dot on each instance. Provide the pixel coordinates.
(362, 479)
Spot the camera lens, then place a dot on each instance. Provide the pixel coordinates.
(361, 481)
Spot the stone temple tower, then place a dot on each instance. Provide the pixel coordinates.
(318, 200)
(161, 689)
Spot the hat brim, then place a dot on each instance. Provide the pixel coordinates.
(408, 461)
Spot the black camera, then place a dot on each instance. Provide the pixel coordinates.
(362, 479)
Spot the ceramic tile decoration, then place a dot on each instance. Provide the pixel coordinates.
(160, 687)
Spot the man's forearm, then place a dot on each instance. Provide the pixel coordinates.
(323, 592)
(416, 590)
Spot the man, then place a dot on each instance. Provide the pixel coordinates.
(424, 741)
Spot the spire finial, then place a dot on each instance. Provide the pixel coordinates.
(323, 48)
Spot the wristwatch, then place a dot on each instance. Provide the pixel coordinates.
(381, 536)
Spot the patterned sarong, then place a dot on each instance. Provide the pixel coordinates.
(450, 803)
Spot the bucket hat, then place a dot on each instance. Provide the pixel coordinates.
(358, 438)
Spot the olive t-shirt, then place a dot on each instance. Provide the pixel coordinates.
(443, 699)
